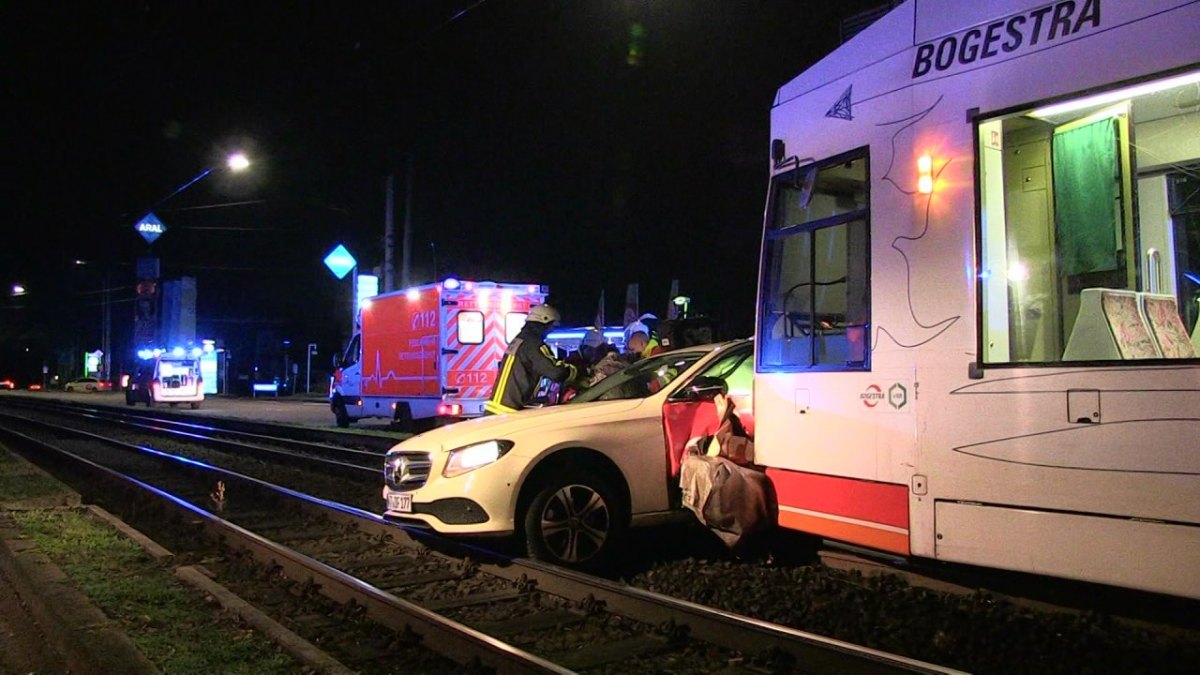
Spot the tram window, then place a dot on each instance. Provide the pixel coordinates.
(1090, 228)
(816, 268)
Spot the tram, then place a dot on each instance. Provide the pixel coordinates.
(977, 328)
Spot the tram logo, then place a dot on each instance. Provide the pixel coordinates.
(1052, 22)
(872, 396)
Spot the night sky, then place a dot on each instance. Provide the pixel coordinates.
(582, 144)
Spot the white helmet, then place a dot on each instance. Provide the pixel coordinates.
(543, 314)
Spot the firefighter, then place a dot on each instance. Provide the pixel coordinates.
(637, 341)
(653, 344)
(526, 361)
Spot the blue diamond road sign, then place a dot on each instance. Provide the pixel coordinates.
(150, 227)
(340, 262)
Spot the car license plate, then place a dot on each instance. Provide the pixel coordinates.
(400, 501)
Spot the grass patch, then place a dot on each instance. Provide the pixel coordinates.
(169, 622)
(19, 481)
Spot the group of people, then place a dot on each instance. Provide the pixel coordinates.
(529, 359)
(718, 480)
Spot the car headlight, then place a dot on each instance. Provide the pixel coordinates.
(473, 456)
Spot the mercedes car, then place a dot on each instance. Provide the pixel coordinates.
(568, 480)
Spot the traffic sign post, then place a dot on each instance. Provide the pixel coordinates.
(150, 227)
(340, 262)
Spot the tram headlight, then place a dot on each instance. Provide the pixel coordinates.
(471, 457)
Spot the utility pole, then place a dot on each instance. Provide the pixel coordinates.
(389, 238)
(106, 332)
(406, 265)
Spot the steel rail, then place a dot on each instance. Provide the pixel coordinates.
(710, 625)
(444, 636)
(376, 444)
(195, 433)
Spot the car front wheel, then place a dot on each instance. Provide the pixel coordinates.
(574, 521)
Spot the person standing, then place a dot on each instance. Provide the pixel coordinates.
(526, 361)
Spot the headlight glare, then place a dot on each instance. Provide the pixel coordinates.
(471, 457)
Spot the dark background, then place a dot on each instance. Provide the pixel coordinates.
(582, 144)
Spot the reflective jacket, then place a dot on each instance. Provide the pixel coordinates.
(526, 361)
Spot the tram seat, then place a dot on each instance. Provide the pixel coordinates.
(1162, 313)
(1110, 326)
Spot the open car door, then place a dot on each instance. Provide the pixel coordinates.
(690, 412)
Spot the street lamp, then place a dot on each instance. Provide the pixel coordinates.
(18, 290)
(236, 162)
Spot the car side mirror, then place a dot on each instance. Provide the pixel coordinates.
(703, 388)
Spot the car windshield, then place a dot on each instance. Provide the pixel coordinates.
(641, 379)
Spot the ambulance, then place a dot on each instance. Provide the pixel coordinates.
(166, 376)
(978, 309)
(428, 354)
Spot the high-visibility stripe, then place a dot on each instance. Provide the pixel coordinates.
(502, 381)
(497, 409)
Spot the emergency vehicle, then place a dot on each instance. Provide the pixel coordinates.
(170, 377)
(976, 326)
(429, 353)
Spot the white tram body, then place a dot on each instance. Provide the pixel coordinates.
(977, 319)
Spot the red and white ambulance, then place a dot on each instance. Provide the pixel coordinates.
(429, 353)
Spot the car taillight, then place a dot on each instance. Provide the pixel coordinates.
(449, 410)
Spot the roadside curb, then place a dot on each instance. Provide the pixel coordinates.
(74, 627)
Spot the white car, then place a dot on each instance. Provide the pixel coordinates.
(569, 479)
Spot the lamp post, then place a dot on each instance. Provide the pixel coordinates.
(312, 351)
(147, 323)
(236, 162)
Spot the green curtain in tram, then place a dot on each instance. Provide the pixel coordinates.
(1086, 190)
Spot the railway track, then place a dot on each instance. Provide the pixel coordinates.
(470, 606)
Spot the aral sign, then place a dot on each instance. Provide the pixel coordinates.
(150, 227)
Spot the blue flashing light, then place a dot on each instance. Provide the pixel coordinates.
(451, 284)
(145, 353)
(178, 351)
(565, 335)
(196, 352)
(1192, 277)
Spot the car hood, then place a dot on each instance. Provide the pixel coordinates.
(493, 427)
